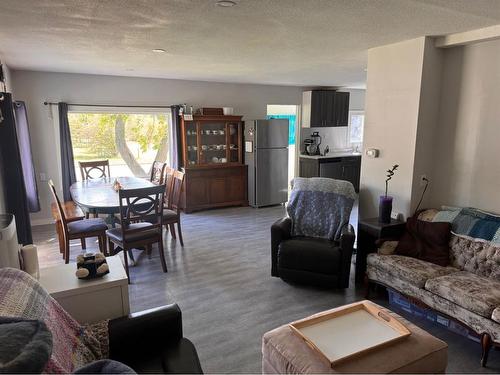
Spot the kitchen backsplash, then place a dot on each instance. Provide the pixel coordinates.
(335, 137)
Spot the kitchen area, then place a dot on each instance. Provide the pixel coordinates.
(331, 134)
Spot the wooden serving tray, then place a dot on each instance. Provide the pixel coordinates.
(349, 331)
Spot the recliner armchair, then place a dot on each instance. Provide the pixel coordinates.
(311, 260)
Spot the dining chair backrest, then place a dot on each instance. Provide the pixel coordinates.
(60, 209)
(141, 205)
(176, 191)
(169, 179)
(158, 172)
(94, 169)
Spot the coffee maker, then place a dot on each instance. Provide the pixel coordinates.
(311, 145)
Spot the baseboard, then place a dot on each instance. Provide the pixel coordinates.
(38, 222)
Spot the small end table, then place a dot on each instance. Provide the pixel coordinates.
(369, 231)
(89, 301)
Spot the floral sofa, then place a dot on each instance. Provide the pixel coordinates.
(468, 290)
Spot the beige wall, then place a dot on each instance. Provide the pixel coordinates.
(467, 167)
(8, 82)
(36, 87)
(392, 108)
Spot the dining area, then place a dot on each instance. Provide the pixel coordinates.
(121, 213)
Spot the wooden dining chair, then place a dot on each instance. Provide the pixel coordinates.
(141, 219)
(91, 170)
(94, 169)
(158, 173)
(78, 228)
(172, 212)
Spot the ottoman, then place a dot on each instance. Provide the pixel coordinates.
(283, 352)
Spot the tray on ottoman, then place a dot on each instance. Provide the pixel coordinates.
(284, 352)
(350, 331)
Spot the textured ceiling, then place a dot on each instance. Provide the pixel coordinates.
(292, 42)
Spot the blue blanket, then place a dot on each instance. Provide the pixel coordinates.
(320, 207)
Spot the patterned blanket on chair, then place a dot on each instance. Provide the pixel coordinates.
(320, 207)
(72, 344)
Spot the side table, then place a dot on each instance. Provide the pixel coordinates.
(89, 301)
(369, 231)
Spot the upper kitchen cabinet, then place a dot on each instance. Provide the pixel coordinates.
(324, 108)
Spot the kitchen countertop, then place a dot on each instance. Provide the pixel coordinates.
(330, 155)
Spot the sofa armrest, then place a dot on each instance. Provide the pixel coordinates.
(144, 331)
(281, 231)
(346, 244)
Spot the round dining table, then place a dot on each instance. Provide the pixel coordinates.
(98, 196)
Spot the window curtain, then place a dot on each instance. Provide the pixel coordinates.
(12, 170)
(175, 147)
(67, 161)
(24, 141)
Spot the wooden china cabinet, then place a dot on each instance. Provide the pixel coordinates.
(212, 158)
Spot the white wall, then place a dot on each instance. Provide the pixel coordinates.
(467, 168)
(8, 83)
(336, 138)
(392, 108)
(36, 87)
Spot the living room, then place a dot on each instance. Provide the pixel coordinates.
(423, 89)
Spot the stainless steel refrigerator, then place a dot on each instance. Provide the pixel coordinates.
(266, 154)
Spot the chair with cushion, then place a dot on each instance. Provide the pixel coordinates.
(141, 224)
(79, 228)
(149, 341)
(172, 211)
(91, 170)
(158, 173)
(314, 243)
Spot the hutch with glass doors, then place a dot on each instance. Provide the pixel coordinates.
(212, 157)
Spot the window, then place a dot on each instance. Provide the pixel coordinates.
(130, 141)
(356, 125)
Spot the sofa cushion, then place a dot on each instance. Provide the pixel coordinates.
(309, 254)
(412, 270)
(474, 255)
(468, 290)
(495, 315)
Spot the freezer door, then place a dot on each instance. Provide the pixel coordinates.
(271, 176)
(271, 133)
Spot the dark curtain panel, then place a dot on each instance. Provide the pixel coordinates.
(12, 170)
(176, 152)
(67, 161)
(24, 140)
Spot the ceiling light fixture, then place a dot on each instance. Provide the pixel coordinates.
(159, 50)
(225, 3)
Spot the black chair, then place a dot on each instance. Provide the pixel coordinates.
(311, 260)
(141, 221)
(152, 342)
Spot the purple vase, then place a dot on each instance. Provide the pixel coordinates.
(384, 209)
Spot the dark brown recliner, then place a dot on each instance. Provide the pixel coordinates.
(311, 260)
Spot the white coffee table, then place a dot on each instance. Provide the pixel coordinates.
(89, 301)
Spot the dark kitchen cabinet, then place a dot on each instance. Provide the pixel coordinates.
(325, 108)
(346, 168)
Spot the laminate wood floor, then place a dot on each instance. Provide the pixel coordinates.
(221, 281)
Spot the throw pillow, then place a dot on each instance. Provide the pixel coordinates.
(425, 240)
(26, 345)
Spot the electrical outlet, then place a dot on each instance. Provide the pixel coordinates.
(423, 180)
(43, 177)
(395, 215)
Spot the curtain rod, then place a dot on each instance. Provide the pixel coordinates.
(111, 105)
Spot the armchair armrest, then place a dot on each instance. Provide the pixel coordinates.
(346, 244)
(281, 230)
(144, 331)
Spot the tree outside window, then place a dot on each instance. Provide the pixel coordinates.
(131, 142)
